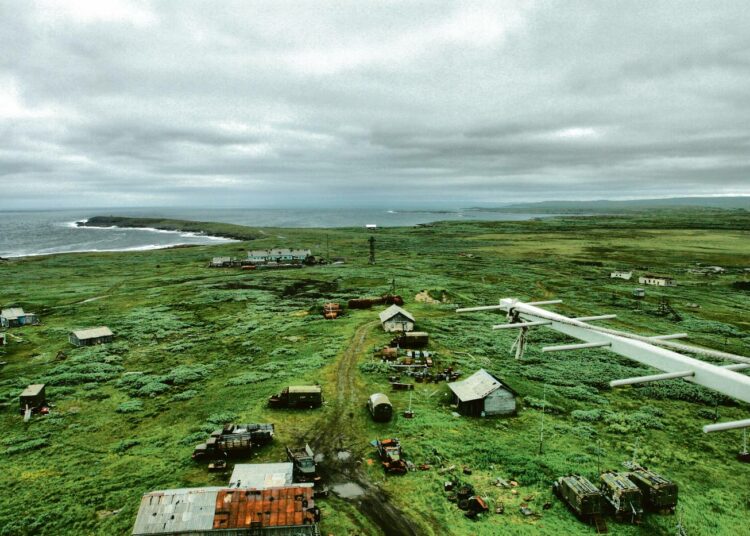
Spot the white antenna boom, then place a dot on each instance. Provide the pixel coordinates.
(644, 350)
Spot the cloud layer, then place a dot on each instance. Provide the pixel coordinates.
(128, 103)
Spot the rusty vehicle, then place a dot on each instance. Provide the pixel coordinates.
(400, 386)
(303, 461)
(389, 354)
(331, 311)
(659, 493)
(297, 396)
(475, 505)
(367, 303)
(625, 498)
(581, 496)
(218, 448)
(391, 456)
(380, 407)
(259, 434)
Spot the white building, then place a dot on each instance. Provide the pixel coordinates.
(260, 256)
(397, 319)
(657, 280)
(621, 275)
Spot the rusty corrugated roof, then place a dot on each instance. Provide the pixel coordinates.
(277, 507)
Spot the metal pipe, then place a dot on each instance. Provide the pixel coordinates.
(667, 337)
(580, 346)
(480, 308)
(736, 366)
(546, 302)
(731, 425)
(596, 317)
(652, 378)
(522, 324)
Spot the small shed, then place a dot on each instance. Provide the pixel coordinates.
(91, 336)
(414, 339)
(483, 395)
(621, 274)
(16, 316)
(33, 397)
(261, 475)
(396, 319)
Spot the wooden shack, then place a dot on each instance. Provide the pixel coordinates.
(414, 339)
(33, 397)
(483, 395)
(91, 336)
(16, 316)
(396, 319)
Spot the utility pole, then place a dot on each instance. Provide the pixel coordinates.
(328, 250)
(372, 249)
(541, 428)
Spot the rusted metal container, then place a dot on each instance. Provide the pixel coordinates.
(581, 496)
(659, 493)
(624, 497)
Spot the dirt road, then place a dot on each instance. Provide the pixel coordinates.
(343, 450)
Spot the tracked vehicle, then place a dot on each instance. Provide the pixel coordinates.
(625, 498)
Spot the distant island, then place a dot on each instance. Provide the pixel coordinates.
(602, 206)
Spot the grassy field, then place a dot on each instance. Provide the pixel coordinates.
(196, 347)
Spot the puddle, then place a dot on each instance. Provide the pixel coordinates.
(343, 455)
(348, 490)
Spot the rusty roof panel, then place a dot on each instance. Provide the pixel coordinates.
(277, 507)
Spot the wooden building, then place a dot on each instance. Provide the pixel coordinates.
(33, 397)
(483, 395)
(396, 319)
(262, 256)
(91, 336)
(657, 280)
(16, 316)
(279, 511)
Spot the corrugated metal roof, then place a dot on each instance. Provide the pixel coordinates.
(176, 510)
(33, 390)
(261, 475)
(13, 313)
(93, 333)
(417, 334)
(278, 252)
(277, 507)
(392, 311)
(476, 386)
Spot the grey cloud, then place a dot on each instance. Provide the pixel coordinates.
(415, 104)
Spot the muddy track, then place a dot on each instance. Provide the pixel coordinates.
(334, 434)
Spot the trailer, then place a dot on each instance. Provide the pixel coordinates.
(380, 407)
(625, 498)
(298, 396)
(303, 461)
(581, 496)
(391, 456)
(659, 493)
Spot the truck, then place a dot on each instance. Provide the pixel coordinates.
(391, 456)
(581, 496)
(625, 498)
(659, 493)
(218, 448)
(259, 433)
(380, 407)
(297, 396)
(303, 460)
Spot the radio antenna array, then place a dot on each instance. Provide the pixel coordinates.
(659, 352)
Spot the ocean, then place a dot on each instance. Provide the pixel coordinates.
(25, 233)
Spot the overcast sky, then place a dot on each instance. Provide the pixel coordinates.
(120, 103)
